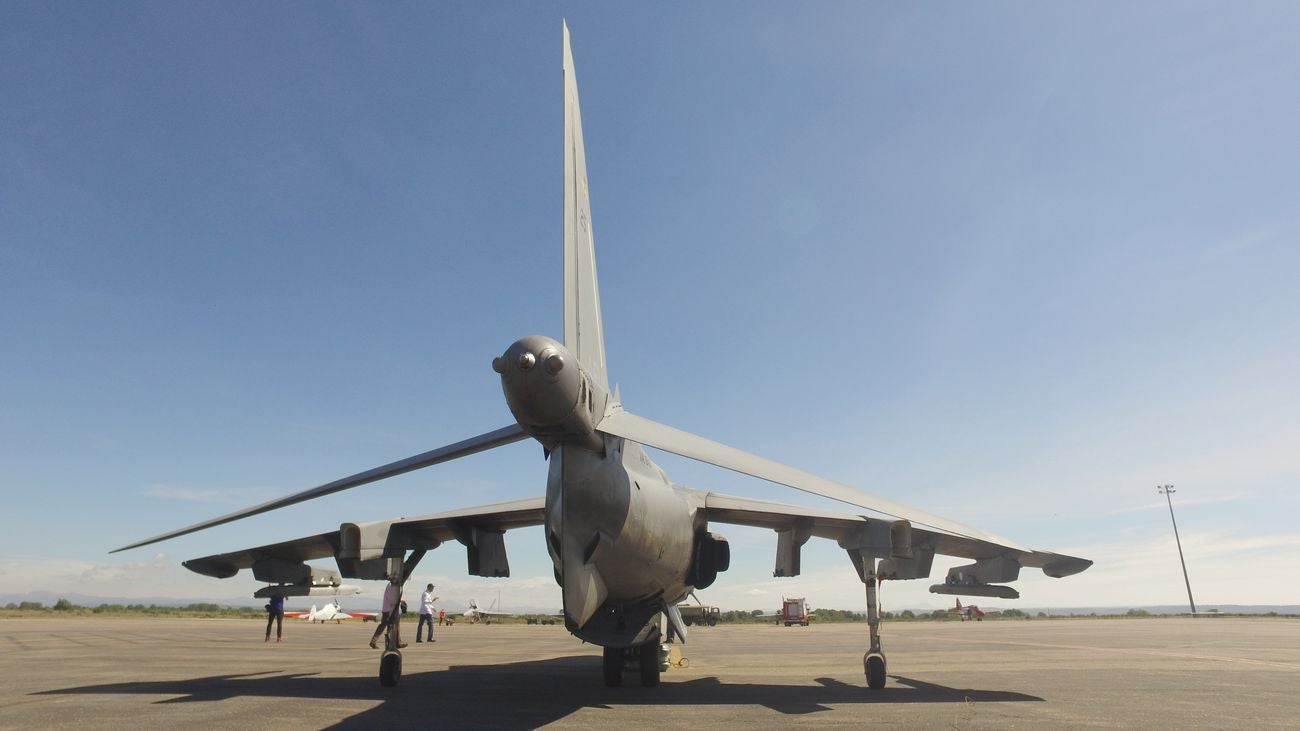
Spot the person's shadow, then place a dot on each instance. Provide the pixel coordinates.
(532, 693)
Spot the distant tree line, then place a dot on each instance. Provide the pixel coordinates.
(203, 609)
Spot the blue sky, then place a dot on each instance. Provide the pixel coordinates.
(1014, 264)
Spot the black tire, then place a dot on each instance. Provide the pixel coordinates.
(713, 622)
(649, 660)
(390, 669)
(613, 667)
(875, 667)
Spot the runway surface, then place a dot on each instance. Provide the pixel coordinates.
(1083, 673)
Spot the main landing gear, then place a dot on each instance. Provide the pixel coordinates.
(873, 662)
(647, 658)
(390, 663)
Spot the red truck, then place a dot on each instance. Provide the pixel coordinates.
(794, 610)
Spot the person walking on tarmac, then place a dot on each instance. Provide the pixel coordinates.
(392, 605)
(426, 613)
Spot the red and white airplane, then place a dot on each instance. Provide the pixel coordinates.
(970, 611)
(332, 612)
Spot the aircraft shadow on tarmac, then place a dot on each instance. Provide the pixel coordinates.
(533, 693)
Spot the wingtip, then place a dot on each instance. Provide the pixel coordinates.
(137, 544)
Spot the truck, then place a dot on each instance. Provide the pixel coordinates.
(698, 614)
(794, 610)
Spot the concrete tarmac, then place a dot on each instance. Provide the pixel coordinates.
(93, 673)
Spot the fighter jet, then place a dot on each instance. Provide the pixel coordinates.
(626, 542)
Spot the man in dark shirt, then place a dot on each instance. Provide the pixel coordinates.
(275, 613)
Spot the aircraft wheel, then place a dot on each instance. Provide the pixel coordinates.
(613, 667)
(875, 667)
(390, 669)
(649, 657)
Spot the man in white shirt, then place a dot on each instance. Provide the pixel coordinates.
(426, 613)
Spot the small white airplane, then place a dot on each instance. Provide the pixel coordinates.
(331, 612)
(474, 614)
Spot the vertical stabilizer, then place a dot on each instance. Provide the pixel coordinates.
(583, 334)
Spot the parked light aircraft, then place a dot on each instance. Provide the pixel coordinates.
(474, 614)
(970, 611)
(331, 612)
(626, 543)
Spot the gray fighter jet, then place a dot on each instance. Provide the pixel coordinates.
(627, 544)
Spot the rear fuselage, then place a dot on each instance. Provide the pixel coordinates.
(621, 536)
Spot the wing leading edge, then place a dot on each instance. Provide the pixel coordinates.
(491, 440)
(660, 436)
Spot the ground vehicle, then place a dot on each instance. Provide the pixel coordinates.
(698, 614)
(794, 610)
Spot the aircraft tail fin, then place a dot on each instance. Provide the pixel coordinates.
(583, 332)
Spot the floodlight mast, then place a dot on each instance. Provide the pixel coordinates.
(1168, 490)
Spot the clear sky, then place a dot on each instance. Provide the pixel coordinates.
(1013, 263)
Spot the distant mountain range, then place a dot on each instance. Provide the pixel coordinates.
(357, 602)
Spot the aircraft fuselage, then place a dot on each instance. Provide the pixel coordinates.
(620, 535)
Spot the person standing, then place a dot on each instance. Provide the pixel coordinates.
(442, 616)
(426, 613)
(275, 613)
(392, 605)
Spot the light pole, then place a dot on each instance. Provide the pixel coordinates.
(1168, 490)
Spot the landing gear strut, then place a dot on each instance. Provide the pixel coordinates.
(873, 662)
(390, 663)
